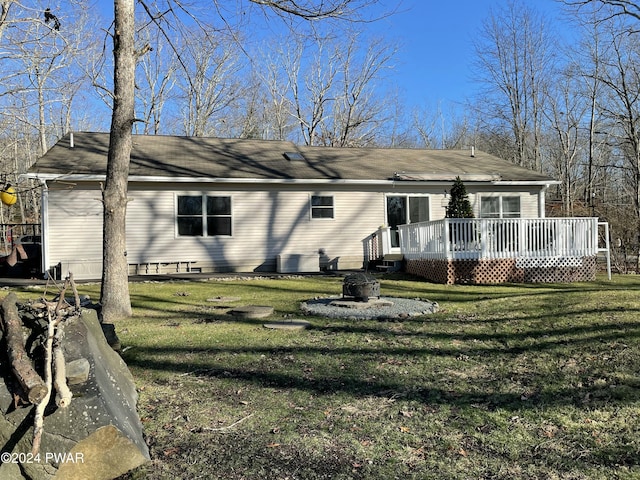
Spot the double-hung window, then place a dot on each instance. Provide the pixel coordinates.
(500, 207)
(322, 206)
(204, 215)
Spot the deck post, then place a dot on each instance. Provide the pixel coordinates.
(606, 248)
(385, 240)
(445, 241)
(523, 240)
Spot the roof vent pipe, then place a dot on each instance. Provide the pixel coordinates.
(473, 151)
(71, 140)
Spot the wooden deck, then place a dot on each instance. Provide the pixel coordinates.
(495, 250)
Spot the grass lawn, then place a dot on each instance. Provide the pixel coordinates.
(509, 381)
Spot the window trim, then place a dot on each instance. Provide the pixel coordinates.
(204, 216)
(501, 198)
(322, 207)
(408, 196)
(393, 232)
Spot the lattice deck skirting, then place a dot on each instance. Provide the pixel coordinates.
(505, 270)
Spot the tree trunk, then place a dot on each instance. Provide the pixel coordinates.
(115, 287)
(29, 380)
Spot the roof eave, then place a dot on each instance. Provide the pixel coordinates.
(527, 182)
(53, 177)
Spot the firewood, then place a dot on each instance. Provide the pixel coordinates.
(38, 421)
(76, 296)
(21, 365)
(63, 394)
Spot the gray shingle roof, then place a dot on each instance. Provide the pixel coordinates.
(198, 157)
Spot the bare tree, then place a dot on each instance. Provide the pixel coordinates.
(261, 110)
(565, 112)
(438, 128)
(210, 82)
(332, 87)
(39, 81)
(428, 126)
(275, 85)
(399, 133)
(357, 111)
(156, 81)
(5, 6)
(38, 65)
(514, 59)
(608, 9)
(611, 76)
(592, 92)
(311, 95)
(587, 66)
(115, 299)
(622, 79)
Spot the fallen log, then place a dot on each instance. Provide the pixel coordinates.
(21, 365)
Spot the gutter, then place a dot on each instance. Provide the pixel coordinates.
(51, 177)
(543, 183)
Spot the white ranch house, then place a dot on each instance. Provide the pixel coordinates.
(232, 205)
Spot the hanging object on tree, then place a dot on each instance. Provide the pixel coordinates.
(8, 195)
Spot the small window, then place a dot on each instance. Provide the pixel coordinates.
(500, 207)
(197, 214)
(321, 206)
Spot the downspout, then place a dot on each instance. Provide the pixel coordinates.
(44, 228)
(541, 201)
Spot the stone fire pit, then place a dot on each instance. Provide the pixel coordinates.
(361, 287)
(361, 300)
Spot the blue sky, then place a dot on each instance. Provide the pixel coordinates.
(436, 36)
(433, 66)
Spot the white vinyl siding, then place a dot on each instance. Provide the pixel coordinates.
(74, 225)
(268, 220)
(266, 223)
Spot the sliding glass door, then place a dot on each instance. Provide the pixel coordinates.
(403, 209)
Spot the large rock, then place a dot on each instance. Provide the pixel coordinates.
(99, 436)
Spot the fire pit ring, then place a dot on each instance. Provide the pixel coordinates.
(360, 286)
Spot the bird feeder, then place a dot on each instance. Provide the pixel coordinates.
(8, 195)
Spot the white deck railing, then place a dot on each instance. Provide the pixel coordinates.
(490, 238)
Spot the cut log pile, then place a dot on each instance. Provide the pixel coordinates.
(21, 365)
(53, 350)
(37, 389)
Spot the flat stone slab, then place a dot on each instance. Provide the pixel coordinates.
(223, 299)
(252, 311)
(288, 325)
(360, 305)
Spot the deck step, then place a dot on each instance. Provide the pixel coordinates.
(391, 263)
